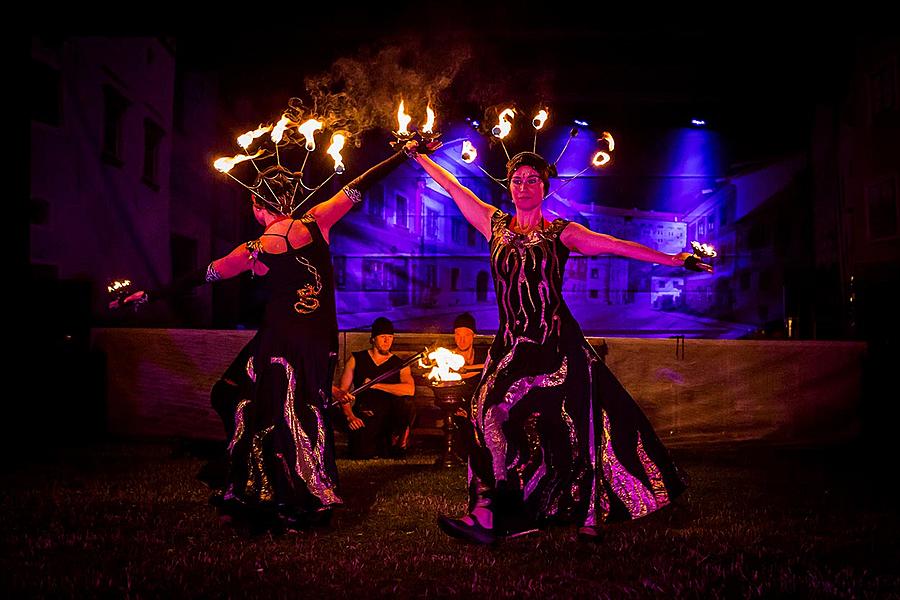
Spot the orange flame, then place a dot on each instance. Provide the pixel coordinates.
(706, 250)
(469, 153)
(278, 132)
(334, 150)
(308, 130)
(600, 159)
(225, 164)
(446, 360)
(540, 119)
(429, 122)
(246, 139)
(504, 125)
(403, 120)
(609, 140)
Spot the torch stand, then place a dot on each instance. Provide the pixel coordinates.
(449, 396)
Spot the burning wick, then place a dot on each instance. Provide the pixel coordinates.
(429, 121)
(278, 131)
(446, 360)
(334, 150)
(504, 125)
(428, 133)
(308, 130)
(609, 140)
(403, 121)
(246, 139)
(600, 158)
(225, 164)
(117, 285)
(539, 119)
(703, 250)
(469, 153)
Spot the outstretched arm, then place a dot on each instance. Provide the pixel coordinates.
(581, 239)
(477, 212)
(234, 263)
(332, 210)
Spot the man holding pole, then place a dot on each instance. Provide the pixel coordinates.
(380, 418)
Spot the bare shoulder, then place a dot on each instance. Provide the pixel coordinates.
(572, 232)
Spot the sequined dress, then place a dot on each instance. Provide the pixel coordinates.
(553, 427)
(282, 452)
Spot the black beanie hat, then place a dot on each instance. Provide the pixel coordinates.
(465, 320)
(382, 326)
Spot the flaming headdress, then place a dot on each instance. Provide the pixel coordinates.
(279, 188)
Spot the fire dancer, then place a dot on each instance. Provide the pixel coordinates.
(557, 438)
(282, 472)
(381, 417)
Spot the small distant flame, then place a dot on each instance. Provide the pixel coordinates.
(225, 164)
(429, 122)
(446, 360)
(308, 130)
(600, 159)
(469, 153)
(705, 250)
(540, 119)
(609, 140)
(246, 139)
(403, 120)
(334, 150)
(504, 125)
(118, 285)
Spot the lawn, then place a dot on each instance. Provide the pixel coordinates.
(132, 519)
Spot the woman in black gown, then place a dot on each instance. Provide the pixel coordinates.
(282, 471)
(557, 438)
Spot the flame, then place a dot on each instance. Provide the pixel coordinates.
(609, 140)
(540, 119)
(600, 159)
(246, 139)
(225, 164)
(403, 120)
(504, 126)
(469, 153)
(705, 250)
(334, 150)
(308, 129)
(446, 360)
(278, 132)
(429, 122)
(117, 285)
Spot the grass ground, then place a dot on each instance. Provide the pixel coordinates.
(131, 519)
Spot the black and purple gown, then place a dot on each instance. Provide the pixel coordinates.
(282, 451)
(553, 428)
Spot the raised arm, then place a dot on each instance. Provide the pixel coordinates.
(332, 210)
(581, 239)
(477, 212)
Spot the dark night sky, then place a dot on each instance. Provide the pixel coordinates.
(744, 80)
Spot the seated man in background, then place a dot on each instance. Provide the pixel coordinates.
(380, 418)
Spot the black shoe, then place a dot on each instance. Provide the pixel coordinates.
(459, 529)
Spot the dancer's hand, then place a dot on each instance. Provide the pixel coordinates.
(692, 262)
(415, 147)
(139, 297)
